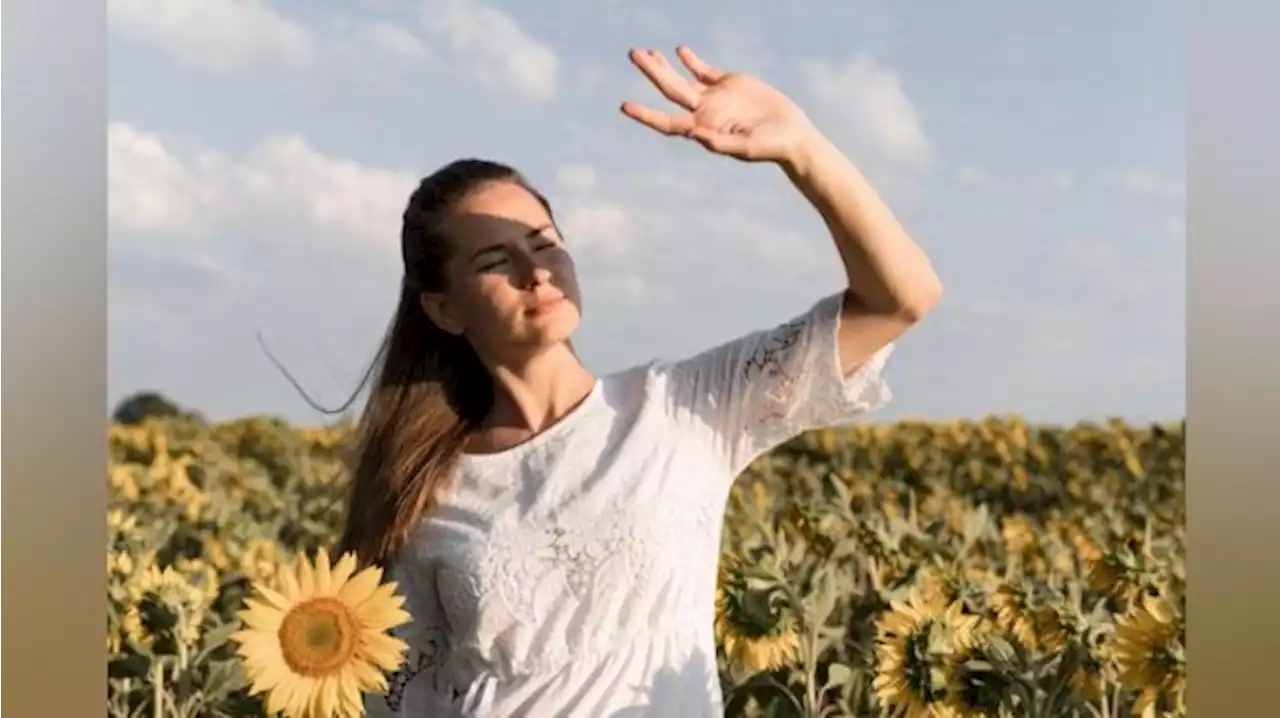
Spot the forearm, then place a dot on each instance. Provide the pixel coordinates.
(886, 270)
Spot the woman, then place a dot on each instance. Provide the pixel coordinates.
(555, 533)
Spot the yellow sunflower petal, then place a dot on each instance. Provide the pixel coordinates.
(278, 698)
(258, 645)
(347, 685)
(289, 584)
(275, 674)
(274, 598)
(306, 577)
(383, 594)
(361, 586)
(326, 696)
(260, 617)
(342, 572)
(383, 650)
(382, 612)
(300, 696)
(367, 677)
(322, 573)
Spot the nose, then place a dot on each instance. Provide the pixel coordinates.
(531, 271)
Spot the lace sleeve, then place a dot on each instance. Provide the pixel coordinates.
(417, 686)
(762, 389)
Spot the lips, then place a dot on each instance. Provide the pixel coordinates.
(544, 305)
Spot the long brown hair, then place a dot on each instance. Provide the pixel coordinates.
(431, 390)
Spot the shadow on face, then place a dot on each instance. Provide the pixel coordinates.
(511, 285)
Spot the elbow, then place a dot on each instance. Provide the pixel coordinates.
(915, 304)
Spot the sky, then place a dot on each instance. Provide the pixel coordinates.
(260, 154)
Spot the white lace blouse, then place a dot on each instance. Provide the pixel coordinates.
(575, 574)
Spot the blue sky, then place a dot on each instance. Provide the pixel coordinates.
(260, 154)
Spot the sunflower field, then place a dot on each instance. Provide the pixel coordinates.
(981, 568)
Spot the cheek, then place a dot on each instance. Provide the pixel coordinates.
(566, 274)
(477, 301)
(492, 295)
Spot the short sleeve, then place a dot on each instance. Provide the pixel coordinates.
(417, 686)
(756, 392)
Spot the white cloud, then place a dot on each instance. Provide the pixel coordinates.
(228, 36)
(869, 100)
(576, 178)
(1064, 181)
(218, 35)
(634, 288)
(284, 190)
(597, 223)
(501, 54)
(150, 189)
(376, 43)
(1146, 182)
(340, 196)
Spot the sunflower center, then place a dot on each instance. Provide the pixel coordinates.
(318, 636)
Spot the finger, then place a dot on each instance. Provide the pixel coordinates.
(666, 79)
(662, 60)
(662, 122)
(701, 70)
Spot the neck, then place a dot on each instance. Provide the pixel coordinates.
(535, 392)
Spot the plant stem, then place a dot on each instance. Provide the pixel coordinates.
(157, 690)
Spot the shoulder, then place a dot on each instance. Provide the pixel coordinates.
(643, 388)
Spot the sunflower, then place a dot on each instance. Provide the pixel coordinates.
(1018, 534)
(166, 605)
(259, 561)
(119, 564)
(754, 623)
(122, 480)
(976, 685)
(1052, 630)
(1086, 679)
(1014, 613)
(940, 583)
(320, 641)
(1149, 653)
(917, 638)
(121, 523)
(215, 552)
(202, 577)
(1061, 632)
(1115, 576)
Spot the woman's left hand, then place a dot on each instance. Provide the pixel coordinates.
(728, 113)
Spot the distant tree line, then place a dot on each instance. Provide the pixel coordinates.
(143, 405)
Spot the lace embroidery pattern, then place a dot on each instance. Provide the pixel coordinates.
(773, 363)
(432, 654)
(583, 562)
(573, 555)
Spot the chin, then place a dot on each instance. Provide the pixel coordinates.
(554, 327)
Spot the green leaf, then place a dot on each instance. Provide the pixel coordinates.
(215, 639)
(225, 678)
(838, 674)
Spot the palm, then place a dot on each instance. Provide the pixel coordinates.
(729, 113)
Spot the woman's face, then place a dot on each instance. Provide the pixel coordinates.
(511, 282)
